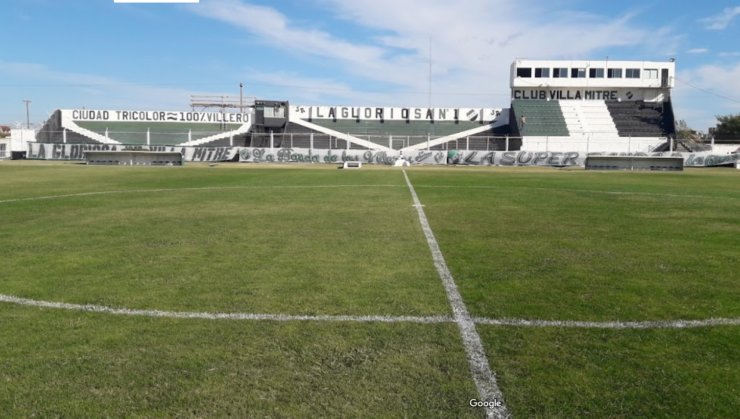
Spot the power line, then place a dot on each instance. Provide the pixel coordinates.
(732, 99)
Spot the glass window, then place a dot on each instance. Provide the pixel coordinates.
(275, 112)
(614, 73)
(542, 73)
(651, 74)
(560, 73)
(633, 73)
(596, 73)
(578, 73)
(524, 72)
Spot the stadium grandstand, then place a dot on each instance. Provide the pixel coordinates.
(622, 106)
(584, 106)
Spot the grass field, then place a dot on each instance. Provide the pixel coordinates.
(333, 245)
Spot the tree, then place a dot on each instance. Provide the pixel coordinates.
(728, 127)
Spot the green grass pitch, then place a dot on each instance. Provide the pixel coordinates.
(534, 244)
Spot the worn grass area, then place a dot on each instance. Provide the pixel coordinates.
(557, 246)
(576, 373)
(57, 363)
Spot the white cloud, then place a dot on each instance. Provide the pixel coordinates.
(52, 89)
(721, 20)
(697, 51)
(729, 54)
(714, 87)
(470, 55)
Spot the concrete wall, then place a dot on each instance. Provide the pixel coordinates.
(133, 158)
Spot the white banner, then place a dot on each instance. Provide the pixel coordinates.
(41, 151)
(516, 158)
(480, 115)
(57, 151)
(304, 155)
(154, 116)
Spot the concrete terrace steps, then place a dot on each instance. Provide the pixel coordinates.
(544, 118)
(588, 118)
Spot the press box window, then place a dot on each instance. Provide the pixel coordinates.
(560, 73)
(614, 73)
(524, 72)
(275, 112)
(651, 74)
(542, 73)
(578, 73)
(596, 73)
(633, 73)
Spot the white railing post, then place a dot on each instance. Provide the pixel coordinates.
(310, 146)
(148, 139)
(106, 136)
(507, 142)
(467, 143)
(231, 139)
(64, 136)
(629, 144)
(671, 144)
(190, 136)
(547, 144)
(428, 141)
(488, 140)
(390, 142)
(291, 140)
(272, 143)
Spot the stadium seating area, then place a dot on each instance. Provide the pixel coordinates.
(160, 133)
(411, 128)
(544, 118)
(588, 118)
(52, 132)
(640, 119)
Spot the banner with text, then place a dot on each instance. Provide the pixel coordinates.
(479, 115)
(57, 151)
(41, 151)
(154, 116)
(304, 155)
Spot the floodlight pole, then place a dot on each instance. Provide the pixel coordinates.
(241, 98)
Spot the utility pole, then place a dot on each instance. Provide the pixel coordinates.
(241, 97)
(28, 115)
(430, 71)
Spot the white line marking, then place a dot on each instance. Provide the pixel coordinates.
(37, 198)
(223, 316)
(576, 190)
(655, 324)
(484, 379)
(659, 324)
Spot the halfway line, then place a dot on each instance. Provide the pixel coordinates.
(484, 379)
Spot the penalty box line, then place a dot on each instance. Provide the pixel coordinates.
(484, 379)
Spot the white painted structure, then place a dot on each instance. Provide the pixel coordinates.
(19, 138)
(562, 80)
(5, 148)
(583, 90)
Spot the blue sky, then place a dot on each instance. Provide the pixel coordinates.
(104, 55)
